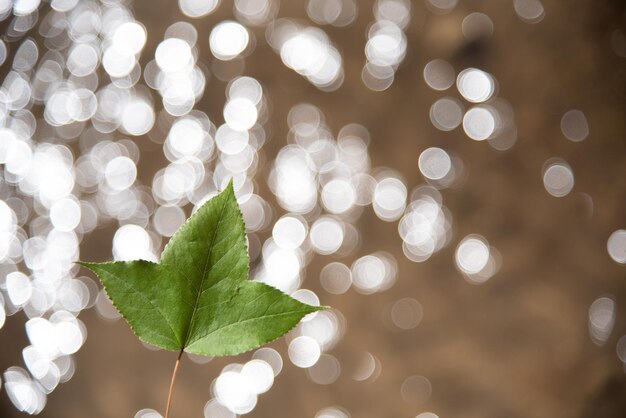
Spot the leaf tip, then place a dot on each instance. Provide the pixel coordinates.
(86, 264)
(318, 308)
(230, 187)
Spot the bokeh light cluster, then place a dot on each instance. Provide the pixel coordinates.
(83, 94)
(386, 43)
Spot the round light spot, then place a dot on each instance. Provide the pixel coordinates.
(148, 413)
(214, 409)
(377, 78)
(439, 74)
(82, 60)
(167, 220)
(574, 126)
(137, 117)
(173, 55)
(434, 163)
(247, 88)
(368, 368)
(70, 336)
(3, 52)
(289, 232)
(234, 391)
(325, 328)
(446, 114)
(65, 214)
(371, 274)
(558, 179)
(479, 123)
(228, 39)
(230, 141)
(416, 390)
(283, 267)
(386, 44)
(3, 317)
(132, 242)
(25, 393)
(326, 235)
(389, 199)
(477, 26)
(621, 348)
(240, 114)
(472, 255)
(259, 374)
(475, 85)
(19, 288)
(130, 35)
(332, 413)
(197, 8)
(530, 11)
(63, 5)
(325, 371)
(304, 351)
(601, 319)
(24, 7)
(442, 6)
(120, 173)
(336, 278)
(271, 357)
(324, 12)
(616, 246)
(338, 196)
(118, 62)
(406, 313)
(186, 137)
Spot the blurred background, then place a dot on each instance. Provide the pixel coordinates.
(447, 175)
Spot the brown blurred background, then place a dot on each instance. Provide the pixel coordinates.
(517, 345)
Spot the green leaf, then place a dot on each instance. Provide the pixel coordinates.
(198, 298)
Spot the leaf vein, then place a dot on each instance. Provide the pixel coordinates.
(150, 301)
(205, 272)
(256, 318)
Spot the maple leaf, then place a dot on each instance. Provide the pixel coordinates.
(198, 299)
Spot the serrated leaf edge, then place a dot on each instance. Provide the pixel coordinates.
(240, 214)
(132, 328)
(317, 309)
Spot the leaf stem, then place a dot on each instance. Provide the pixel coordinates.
(169, 395)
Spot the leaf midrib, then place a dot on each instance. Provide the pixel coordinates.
(256, 318)
(204, 275)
